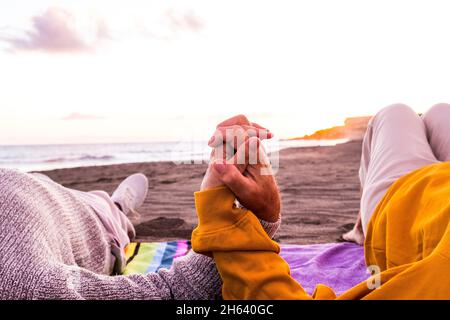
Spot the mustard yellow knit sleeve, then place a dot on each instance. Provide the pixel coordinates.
(247, 259)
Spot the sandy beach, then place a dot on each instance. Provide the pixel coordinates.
(319, 186)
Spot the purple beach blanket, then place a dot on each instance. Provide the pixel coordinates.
(337, 265)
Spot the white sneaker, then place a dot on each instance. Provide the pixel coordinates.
(131, 193)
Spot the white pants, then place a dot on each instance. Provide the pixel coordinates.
(119, 228)
(397, 142)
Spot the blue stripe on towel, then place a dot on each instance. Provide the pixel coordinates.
(167, 259)
(157, 258)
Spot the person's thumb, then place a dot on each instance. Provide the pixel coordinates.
(230, 176)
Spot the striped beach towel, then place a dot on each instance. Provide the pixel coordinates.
(338, 265)
(146, 257)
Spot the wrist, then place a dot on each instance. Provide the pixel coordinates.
(210, 181)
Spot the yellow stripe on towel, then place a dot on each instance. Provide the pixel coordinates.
(140, 262)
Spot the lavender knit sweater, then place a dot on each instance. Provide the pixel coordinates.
(53, 246)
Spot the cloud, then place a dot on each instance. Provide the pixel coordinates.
(170, 24)
(184, 21)
(56, 31)
(80, 116)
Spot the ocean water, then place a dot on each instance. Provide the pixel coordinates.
(48, 157)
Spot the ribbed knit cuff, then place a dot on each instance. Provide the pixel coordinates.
(271, 227)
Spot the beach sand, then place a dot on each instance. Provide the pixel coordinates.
(319, 186)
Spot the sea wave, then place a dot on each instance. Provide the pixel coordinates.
(79, 158)
(48, 157)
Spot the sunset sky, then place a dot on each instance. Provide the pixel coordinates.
(115, 71)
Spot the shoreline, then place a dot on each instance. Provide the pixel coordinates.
(52, 157)
(319, 188)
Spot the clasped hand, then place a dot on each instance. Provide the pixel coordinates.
(239, 162)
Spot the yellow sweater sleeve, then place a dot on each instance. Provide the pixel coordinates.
(247, 259)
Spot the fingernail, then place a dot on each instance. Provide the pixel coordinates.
(220, 167)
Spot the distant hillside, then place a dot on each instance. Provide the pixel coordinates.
(353, 129)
